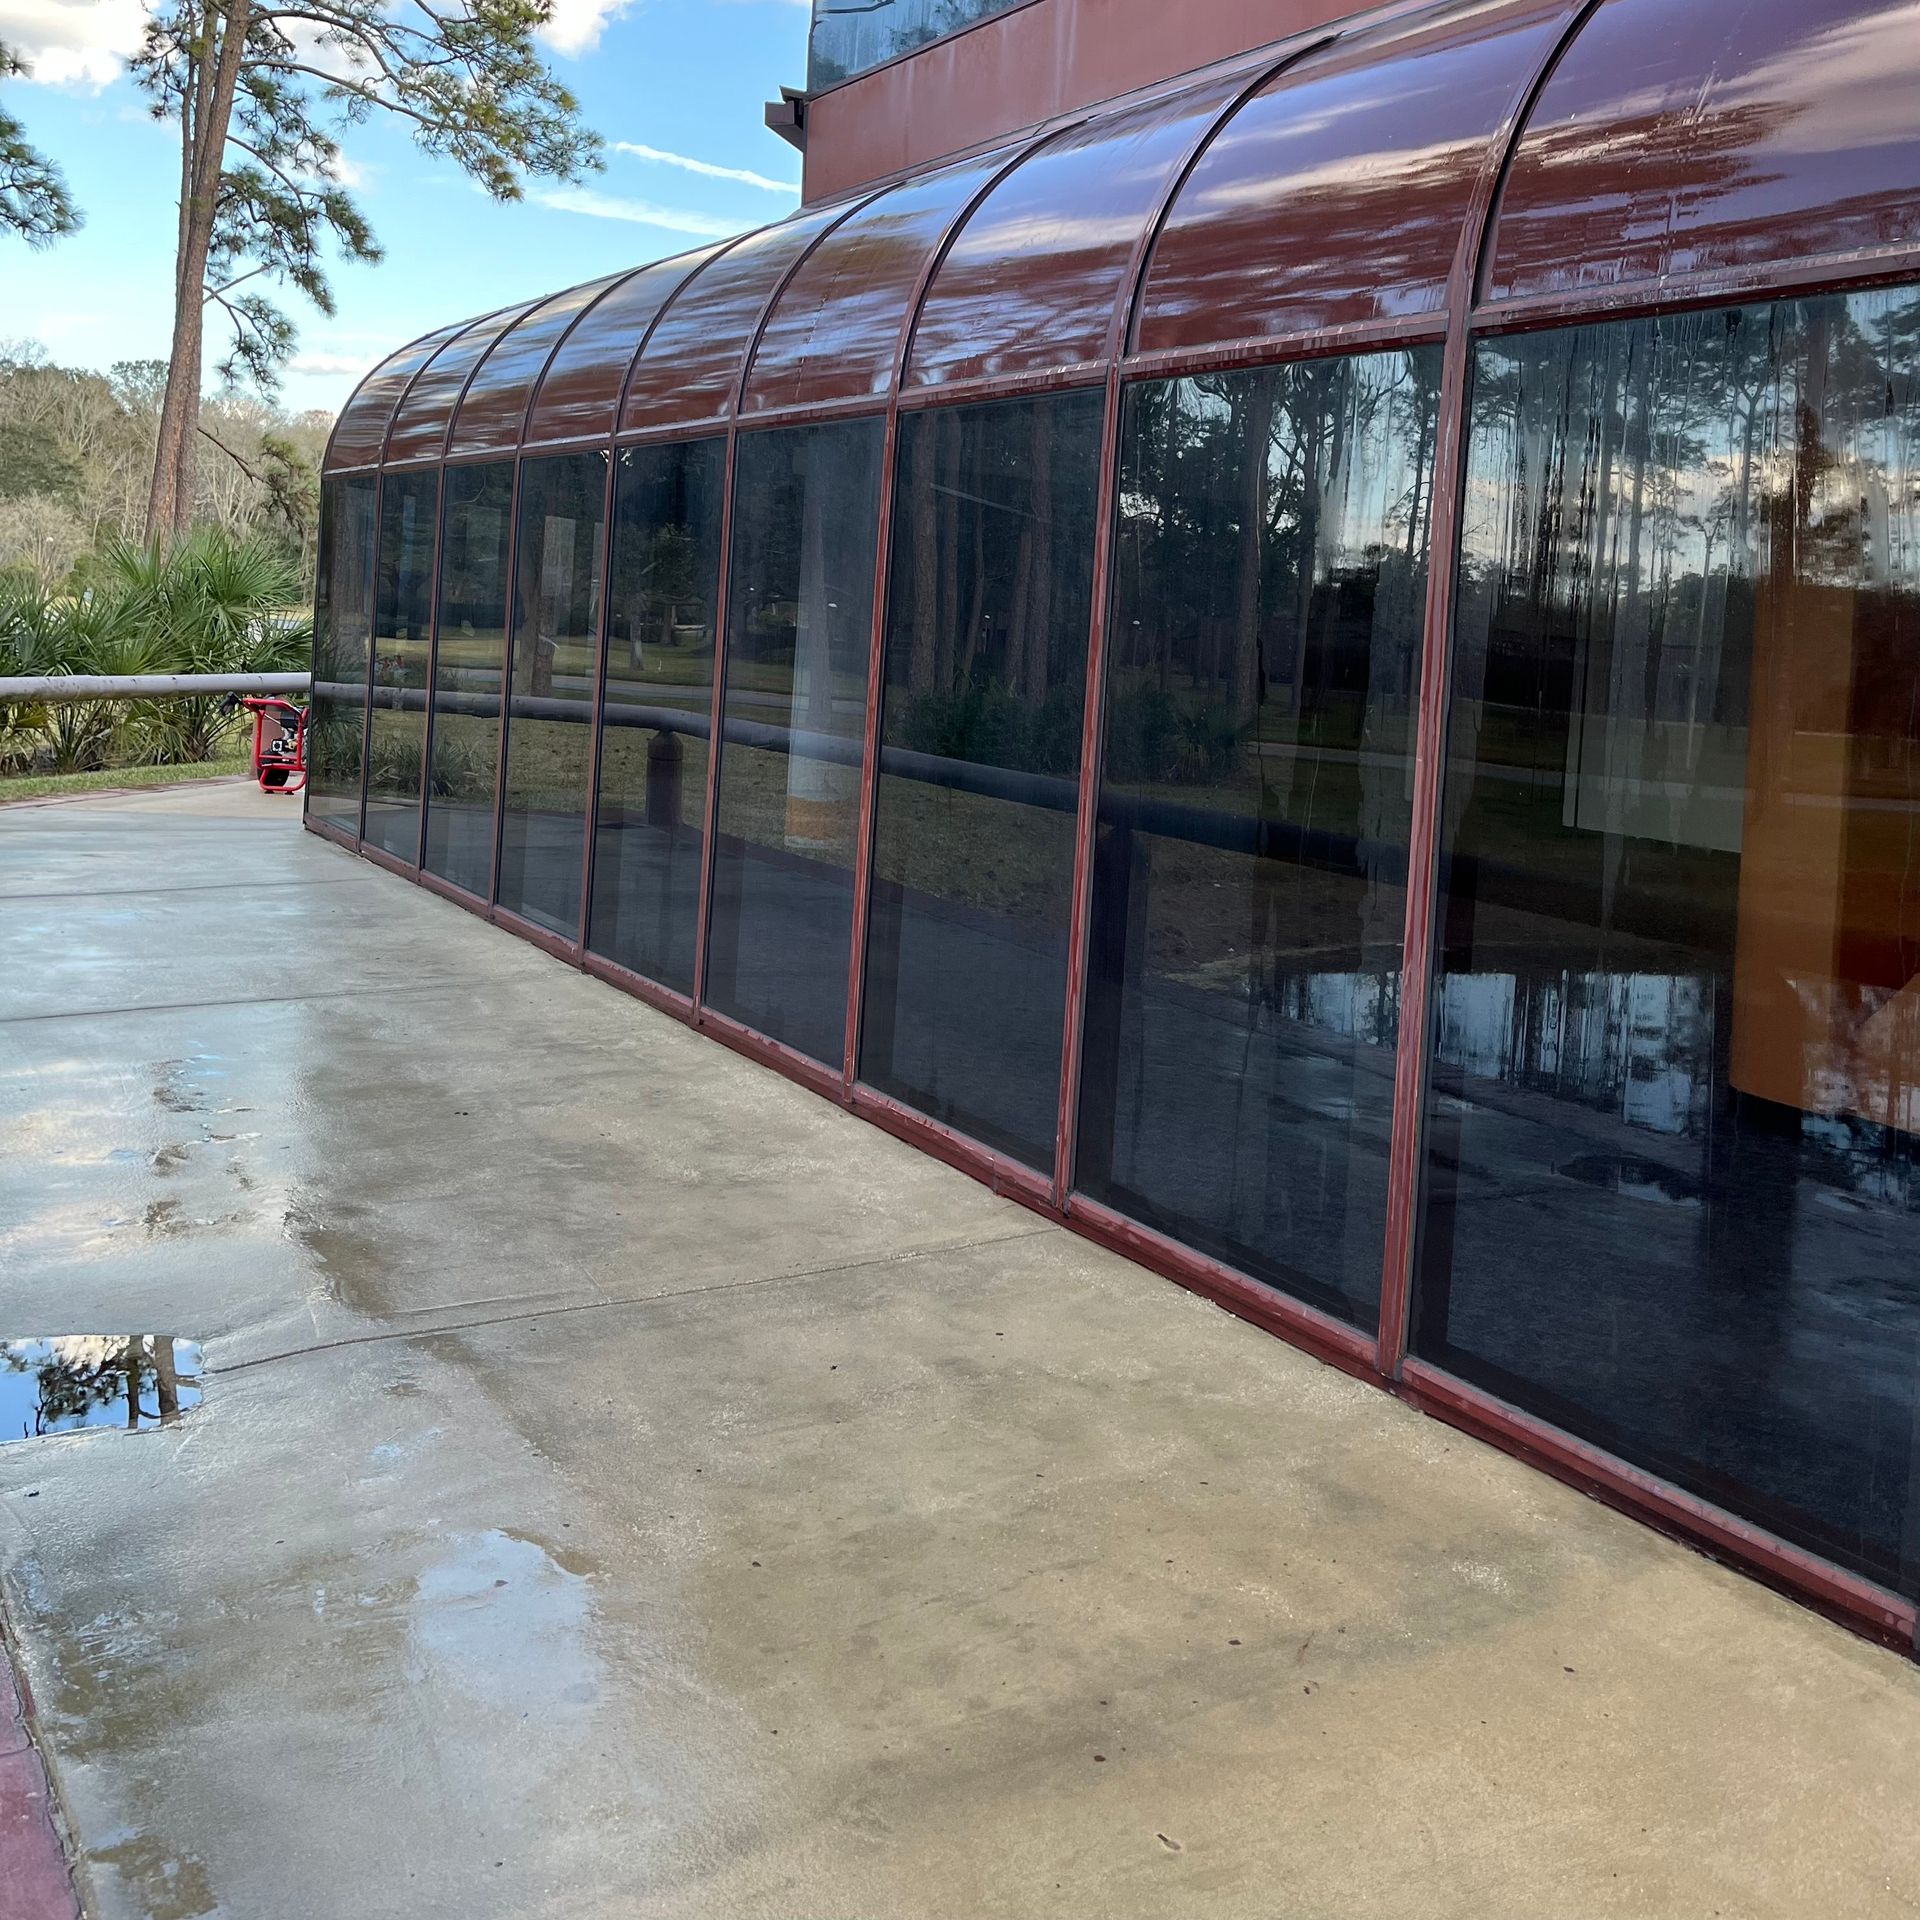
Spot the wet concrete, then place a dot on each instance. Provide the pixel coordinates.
(628, 1486)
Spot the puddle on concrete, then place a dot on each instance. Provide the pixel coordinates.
(1637, 1179)
(75, 1380)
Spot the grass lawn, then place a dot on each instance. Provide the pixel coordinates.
(52, 786)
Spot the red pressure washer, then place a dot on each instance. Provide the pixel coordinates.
(279, 741)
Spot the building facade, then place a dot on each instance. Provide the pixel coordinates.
(1310, 663)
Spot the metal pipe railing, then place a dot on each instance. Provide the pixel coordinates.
(63, 689)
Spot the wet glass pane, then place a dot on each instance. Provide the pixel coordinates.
(986, 662)
(403, 606)
(469, 649)
(342, 626)
(799, 629)
(556, 639)
(653, 749)
(849, 36)
(1250, 858)
(1672, 1182)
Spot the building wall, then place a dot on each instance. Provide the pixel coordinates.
(1023, 67)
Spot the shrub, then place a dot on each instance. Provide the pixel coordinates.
(212, 603)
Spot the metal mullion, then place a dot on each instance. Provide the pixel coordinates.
(1768, 283)
(591, 816)
(366, 678)
(1273, 350)
(439, 543)
(433, 593)
(723, 596)
(1120, 331)
(870, 748)
(1086, 818)
(508, 626)
(614, 445)
(882, 586)
(1417, 950)
(433, 660)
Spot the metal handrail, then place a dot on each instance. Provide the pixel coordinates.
(63, 689)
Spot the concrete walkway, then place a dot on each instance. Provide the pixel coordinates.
(627, 1486)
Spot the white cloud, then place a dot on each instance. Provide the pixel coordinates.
(73, 43)
(328, 363)
(575, 26)
(706, 167)
(643, 213)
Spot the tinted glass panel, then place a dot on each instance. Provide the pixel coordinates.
(992, 576)
(1673, 1190)
(658, 709)
(848, 39)
(556, 635)
(470, 648)
(342, 622)
(1250, 859)
(799, 628)
(403, 607)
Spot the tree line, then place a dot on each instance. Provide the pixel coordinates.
(261, 96)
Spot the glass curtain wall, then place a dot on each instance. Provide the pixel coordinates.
(799, 629)
(964, 994)
(470, 643)
(1250, 857)
(403, 611)
(555, 659)
(658, 708)
(1672, 1183)
(342, 629)
(850, 39)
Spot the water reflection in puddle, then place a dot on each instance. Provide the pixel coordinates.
(76, 1380)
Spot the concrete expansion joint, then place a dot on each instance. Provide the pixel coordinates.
(569, 1309)
(413, 989)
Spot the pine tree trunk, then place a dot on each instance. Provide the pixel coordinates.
(170, 499)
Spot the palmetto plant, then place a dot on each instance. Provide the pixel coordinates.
(211, 603)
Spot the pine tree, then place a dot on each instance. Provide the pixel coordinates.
(34, 201)
(261, 93)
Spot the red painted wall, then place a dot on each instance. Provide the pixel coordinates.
(1024, 67)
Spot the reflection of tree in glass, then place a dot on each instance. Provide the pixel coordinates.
(849, 36)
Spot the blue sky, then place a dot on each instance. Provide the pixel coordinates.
(682, 80)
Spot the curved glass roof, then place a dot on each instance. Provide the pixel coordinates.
(1684, 141)
(1338, 194)
(420, 422)
(1319, 190)
(578, 397)
(493, 411)
(837, 331)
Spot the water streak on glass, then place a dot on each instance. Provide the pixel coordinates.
(799, 628)
(403, 602)
(1251, 849)
(986, 665)
(469, 656)
(555, 658)
(658, 708)
(1673, 1187)
(342, 635)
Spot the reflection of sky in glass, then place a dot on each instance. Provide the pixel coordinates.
(849, 36)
